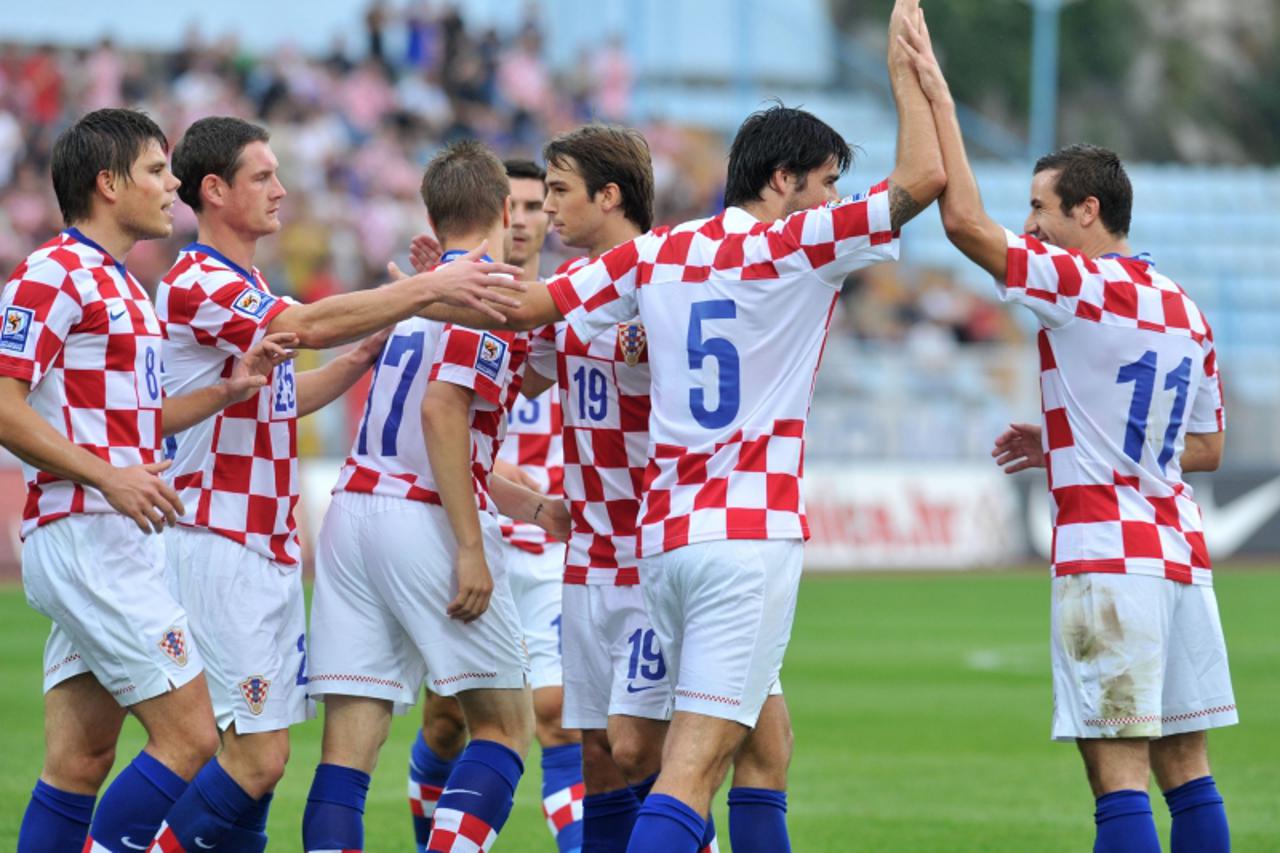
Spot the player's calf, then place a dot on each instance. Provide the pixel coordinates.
(1181, 766)
(433, 756)
(758, 797)
(355, 727)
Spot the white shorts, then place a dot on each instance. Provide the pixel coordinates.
(1137, 656)
(101, 580)
(535, 585)
(385, 576)
(250, 617)
(723, 612)
(613, 661)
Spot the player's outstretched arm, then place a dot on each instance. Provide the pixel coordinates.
(484, 286)
(966, 221)
(445, 428)
(525, 504)
(918, 177)
(248, 377)
(135, 491)
(1019, 448)
(319, 387)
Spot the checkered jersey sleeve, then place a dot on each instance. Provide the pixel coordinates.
(39, 308)
(542, 352)
(472, 359)
(1051, 281)
(832, 240)
(601, 294)
(1207, 411)
(225, 311)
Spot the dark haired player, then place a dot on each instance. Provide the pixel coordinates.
(233, 562)
(80, 365)
(1131, 400)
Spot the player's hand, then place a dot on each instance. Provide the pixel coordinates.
(516, 474)
(369, 349)
(471, 282)
(1018, 448)
(425, 252)
(553, 517)
(917, 45)
(250, 374)
(138, 492)
(475, 586)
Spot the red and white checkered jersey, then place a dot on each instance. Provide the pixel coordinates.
(1127, 369)
(77, 326)
(236, 472)
(535, 443)
(389, 456)
(736, 313)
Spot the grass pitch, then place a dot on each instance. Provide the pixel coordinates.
(921, 707)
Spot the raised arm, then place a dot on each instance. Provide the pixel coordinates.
(967, 224)
(483, 286)
(247, 378)
(319, 387)
(918, 177)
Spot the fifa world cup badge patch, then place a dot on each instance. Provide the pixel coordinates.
(489, 356)
(16, 327)
(174, 644)
(254, 690)
(252, 303)
(632, 341)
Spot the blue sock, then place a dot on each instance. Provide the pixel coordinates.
(758, 820)
(666, 825)
(206, 811)
(562, 795)
(708, 834)
(134, 806)
(1125, 824)
(1199, 818)
(249, 835)
(334, 817)
(642, 789)
(477, 798)
(607, 820)
(427, 774)
(56, 821)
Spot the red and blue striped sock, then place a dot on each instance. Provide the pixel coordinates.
(133, 807)
(55, 820)
(477, 799)
(758, 821)
(562, 794)
(205, 812)
(334, 817)
(1199, 818)
(427, 774)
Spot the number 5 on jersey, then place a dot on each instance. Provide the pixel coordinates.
(725, 355)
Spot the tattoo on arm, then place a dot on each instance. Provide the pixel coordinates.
(902, 207)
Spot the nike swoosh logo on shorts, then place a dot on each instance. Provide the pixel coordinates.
(124, 839)
(448, 791)
(200, 843)
(633, 689)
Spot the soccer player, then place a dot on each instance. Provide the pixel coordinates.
(80, 361)
(534, 563)
(1131, 401)
(233, 562)
(410, 583)
(736, 310)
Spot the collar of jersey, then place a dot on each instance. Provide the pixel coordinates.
(216, 255)
(76, 234)
(1141, 257)
(454, 254)
(737, 219)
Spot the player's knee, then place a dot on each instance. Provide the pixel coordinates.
(635, 756)
(445, 733)
(84, 768)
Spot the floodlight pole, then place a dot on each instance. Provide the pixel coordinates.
(1042, 134)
